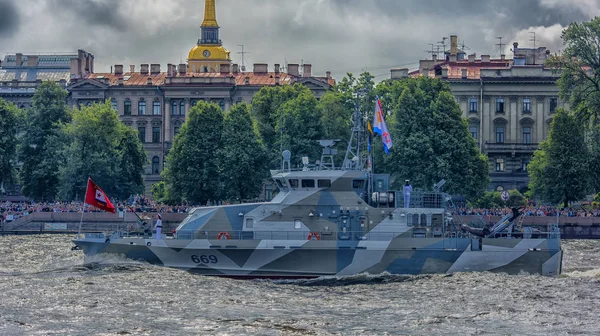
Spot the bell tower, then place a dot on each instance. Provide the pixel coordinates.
(210, 27)
(209, 54)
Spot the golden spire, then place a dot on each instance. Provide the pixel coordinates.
(210, 14)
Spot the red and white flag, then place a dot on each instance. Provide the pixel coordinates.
(96, 197)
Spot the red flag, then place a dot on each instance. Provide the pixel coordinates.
(96, 197)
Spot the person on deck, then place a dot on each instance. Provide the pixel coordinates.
(158, 227)
(406, 192)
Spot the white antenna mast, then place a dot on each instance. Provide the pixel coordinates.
(243, 53)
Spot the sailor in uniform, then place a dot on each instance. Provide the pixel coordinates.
(158, 227)
(406, 192)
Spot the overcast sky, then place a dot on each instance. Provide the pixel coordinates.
(337, 35)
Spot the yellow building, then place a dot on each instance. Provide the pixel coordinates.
(209, 54)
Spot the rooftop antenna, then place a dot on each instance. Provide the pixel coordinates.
(463, 46)
(432, 51)
(443, 43)
(532, 39)
(500, 44)
(243, 59)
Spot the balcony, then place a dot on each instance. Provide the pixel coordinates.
(516, 147)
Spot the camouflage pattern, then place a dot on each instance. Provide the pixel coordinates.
(326, 228)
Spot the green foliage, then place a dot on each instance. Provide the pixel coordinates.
(579, 66)
(516, 199)
(432, 141)
(559, 170)
(193, 171)
(159, 192)
(243, 156)
(9, 127)
(493, 199)
(101, 147)
(336, 119)
(300, 127)
(594, 156)
(42, 144)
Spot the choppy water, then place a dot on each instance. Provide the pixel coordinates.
(47, 289)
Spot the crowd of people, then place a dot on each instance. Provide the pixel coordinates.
(12, 210)
(532, 210)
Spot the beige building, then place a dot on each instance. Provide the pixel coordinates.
(156, 103)
(509, 104)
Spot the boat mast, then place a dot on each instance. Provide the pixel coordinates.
(353, 159)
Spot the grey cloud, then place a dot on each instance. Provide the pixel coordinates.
(93, 12)
(9, 18)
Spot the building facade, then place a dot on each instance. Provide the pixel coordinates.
(509, 104)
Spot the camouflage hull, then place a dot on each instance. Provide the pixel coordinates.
(314, 258)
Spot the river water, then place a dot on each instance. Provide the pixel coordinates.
(47, 289)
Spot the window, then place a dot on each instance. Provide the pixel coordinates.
(155, 134)
(176, 131)
(473, 130)
(499, 105)
(297, 224)
(156, 107)
(527, 135)
(194, 102)
(294, 183)
(324, 183)
(113, 104)
(358, 184)
(249, 223)
(155, 165)
(127, 108)
(142, 134)
(182, 108)
(553, 104)
(500, 165)
(526, 105)
(141, 107)
(174, 108)
(499, 134)
(222, 105)
(308, 183)
(524, 165)
(473, 105)
(279, 184)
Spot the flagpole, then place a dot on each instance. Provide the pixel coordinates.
(82, 209)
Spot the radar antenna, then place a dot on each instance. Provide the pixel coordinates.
(353, 159)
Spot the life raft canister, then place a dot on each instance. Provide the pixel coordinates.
(223, 235)
(315, 235)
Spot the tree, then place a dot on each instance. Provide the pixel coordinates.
(594, 155)
(336, 119)
(432, 141)
(193, 164)
(242, 156)
(41, 148)
(579, 66)
(300, 127)
(9, 126)
(559, 170)
(104, 149)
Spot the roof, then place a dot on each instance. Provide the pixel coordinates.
(254, 79)
(54, 61)
(473, 68)
(33, 74)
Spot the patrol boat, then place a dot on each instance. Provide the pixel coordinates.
(339, 221)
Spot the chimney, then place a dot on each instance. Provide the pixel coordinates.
(120, 81)
(32, 61)
(453, 45)
(452, 58)
(169, 70)
(247, 80)
(276, 68)
(472, 58)
(19, 59)
(503, 57)
(463, 73)
(328, 74)
(277, 78)
(434, 57)
(224, 68)
(444, 72)
(149, 81)
(144, 69)
(118, 69)
(131, 68)
(399, 73)
(485, 58)
(236, 69)
(182, 69)
(155, 69)
(74, 68)
(260, 68)
(307, 71)
(293, 69)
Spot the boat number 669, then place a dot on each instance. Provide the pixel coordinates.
(205, 259)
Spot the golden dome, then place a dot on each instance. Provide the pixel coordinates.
(208, 52)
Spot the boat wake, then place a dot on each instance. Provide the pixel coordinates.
(358, 279)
